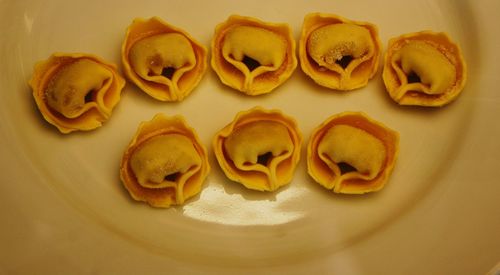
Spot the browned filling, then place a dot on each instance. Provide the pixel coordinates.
(168, 72)
(89, 97)
(344, 61)
(264, 158)
(251, 63)
(345, 168)
(413, 78)
(172, 177)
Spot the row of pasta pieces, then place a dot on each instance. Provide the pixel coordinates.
(166, 163)
(76, 91)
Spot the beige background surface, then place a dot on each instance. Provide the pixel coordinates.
(64, 210)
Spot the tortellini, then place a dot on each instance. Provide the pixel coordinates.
(259, 149)
(352, 154)
(165, 164)
(253, 56)
(162, 60)
(338, 53)
(424, 68)
(76, 91)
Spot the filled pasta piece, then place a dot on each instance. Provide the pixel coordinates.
(165, 163)
(162, 60)
(259, 149)
(351, 153)
(253, 56)
(424, 68)
(339, 53)
(76, 91)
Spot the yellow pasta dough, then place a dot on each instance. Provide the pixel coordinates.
(76, 91)
(253, 56)
(259, 149)
(351, 153)
(424, 68)
(162, 60)
(165, 164)
(338, 53)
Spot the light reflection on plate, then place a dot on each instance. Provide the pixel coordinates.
(215, 205)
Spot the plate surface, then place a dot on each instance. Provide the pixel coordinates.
(65, 207)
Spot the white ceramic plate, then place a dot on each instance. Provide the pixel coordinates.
(63, 207)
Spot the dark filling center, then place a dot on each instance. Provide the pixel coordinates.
(172, 177)
(250, 63)
(413, 78)
(346, 168)
(89, 97)
(344, 61)
(264, 158)
(168, 72)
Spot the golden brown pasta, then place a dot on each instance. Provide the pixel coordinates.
(76, 91)
(351, 153)
(259, 149)
(162, 60)
(424, 68)
(253, 56)
(165, 163)
(339, 53)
